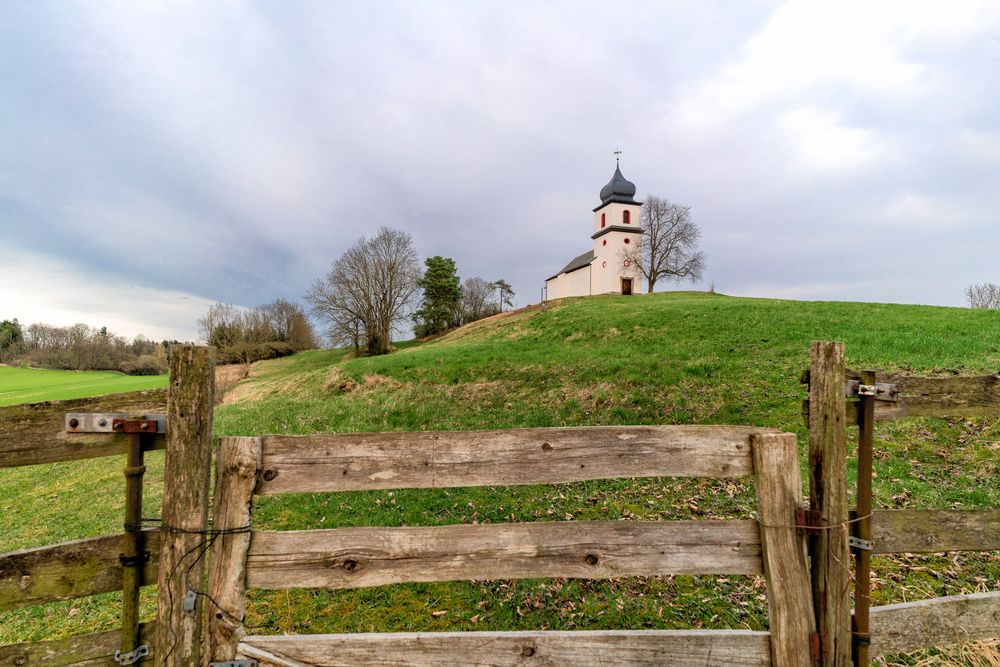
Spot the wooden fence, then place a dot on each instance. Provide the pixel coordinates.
(809, 604)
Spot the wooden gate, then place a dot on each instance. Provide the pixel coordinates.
(358, 557)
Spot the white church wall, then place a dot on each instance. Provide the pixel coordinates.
(613, 215)
(575, 283)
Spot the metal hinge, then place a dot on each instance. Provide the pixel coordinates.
(882, 391)
(808, 522)
(114, 422)
(817, 646)
(234, 663)
(858, 543)
(132, 656)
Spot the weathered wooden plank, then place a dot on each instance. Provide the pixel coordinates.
(954, 396)
(928, 531)
(828, 551)
(35, 433)
(236, 476)
(357, 557)
(626, 648)
(185, 503)
(786, 569)
(516, 456)
(899, 628)
(68, 570)
(93, 650)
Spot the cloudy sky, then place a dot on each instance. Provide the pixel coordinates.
(157, 157)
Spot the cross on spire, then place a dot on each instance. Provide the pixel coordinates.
(618, 153)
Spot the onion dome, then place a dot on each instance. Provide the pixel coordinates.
(618, 189)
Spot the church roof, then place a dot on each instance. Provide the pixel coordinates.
(576, 263)
(618, 189)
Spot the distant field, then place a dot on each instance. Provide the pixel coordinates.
(30, 385)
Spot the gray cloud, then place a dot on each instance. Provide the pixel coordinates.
(231, 151)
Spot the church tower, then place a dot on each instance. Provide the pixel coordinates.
(617, 239)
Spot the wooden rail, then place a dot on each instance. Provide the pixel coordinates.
(35, 433)
(929, 531)
(366, 461)
(909, 626)
(358, 557)
(93, 650)
(635, 648)
(68, 570)
(955, 396)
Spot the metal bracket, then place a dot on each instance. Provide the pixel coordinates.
(114, 422)
(132, 656)
(190, 601)
(808, 522)
(817, 646)
(134, 561)
(882, 391)
(858, 543)
(234, 663)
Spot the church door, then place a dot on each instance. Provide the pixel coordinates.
(626, 286)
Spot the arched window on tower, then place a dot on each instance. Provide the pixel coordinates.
(625, 216)
(602, 219)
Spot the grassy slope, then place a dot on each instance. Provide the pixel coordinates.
(30, 385)
(674, 358)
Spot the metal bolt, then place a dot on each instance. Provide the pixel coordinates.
(144, 426)
(74, 422)
(102, 422)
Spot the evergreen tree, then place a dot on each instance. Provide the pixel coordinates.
(440, 307)
(506, 293)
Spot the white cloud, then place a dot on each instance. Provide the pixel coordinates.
(36, 288)
(818, 140)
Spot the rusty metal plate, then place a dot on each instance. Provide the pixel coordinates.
(104, 422)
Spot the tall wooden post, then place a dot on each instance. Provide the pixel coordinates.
(235, 480)
(190, 398)
(862, 559)
(789, 596)
(828, 551)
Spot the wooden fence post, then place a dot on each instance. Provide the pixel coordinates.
(789, 595)
(828, 551)
(186, 473)
(235, 478)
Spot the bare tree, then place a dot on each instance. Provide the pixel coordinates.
(370, 289)
(288, 323)
(476, 299)
(670, 247)
(983, 295)
(237, 332)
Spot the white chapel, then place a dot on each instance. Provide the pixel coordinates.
(605, 269)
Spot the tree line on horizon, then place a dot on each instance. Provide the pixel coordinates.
(80, 347)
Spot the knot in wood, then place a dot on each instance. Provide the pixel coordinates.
(21, 660)
(546, 447)
(350, 565)
(591, 559)
(527, 651)
(270, 474)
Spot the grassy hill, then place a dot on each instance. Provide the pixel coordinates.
(30, 385)
(662, 359)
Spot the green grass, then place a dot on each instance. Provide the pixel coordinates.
(30, 385)
(667, 359)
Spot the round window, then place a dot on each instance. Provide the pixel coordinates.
(627, 241)
(627, 263)
(604, 242)
(604, 265)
